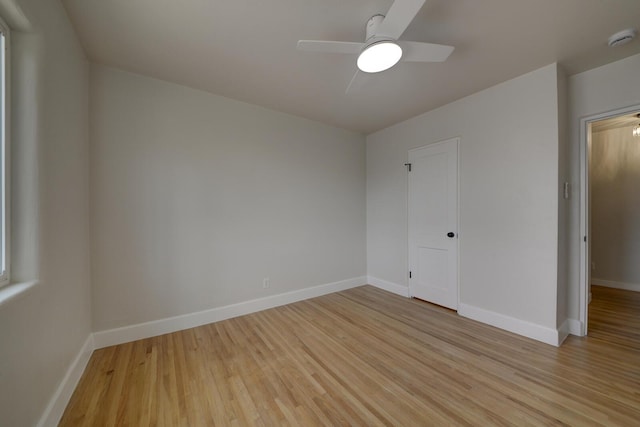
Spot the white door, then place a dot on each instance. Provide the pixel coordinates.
(433, 223)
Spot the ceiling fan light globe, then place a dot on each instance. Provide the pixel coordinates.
(379, 56)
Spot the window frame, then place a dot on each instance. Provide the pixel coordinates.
(5, 206)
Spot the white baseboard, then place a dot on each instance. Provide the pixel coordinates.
(511, 324)
(618, 285)
(563, 332)
(191, 320)
(388, 286)
(575, 327)
(60, 399)
(569, 327)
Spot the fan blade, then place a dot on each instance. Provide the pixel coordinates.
(424, 52)
(399, 17)
(330, 46)
(358, 81)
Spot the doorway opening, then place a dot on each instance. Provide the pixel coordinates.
(610, 205)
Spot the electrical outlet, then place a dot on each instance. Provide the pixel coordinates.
(593, 266)
(265, 283)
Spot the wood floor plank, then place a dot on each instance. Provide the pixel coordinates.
(367, 357)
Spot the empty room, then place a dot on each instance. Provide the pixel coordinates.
(365, 212)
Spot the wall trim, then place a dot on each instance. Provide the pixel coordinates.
(389, 286)
(60, 399)
(154, 328)
(569, 327)
(617, 285)
(13, 291)
(521, 327)
(573, 326)
(563, 332)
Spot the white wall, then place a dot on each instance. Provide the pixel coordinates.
(196, 198)
(43, 330)
(508, 196)
(596, 91)
(615, 206)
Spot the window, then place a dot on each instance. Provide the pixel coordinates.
(4, 154)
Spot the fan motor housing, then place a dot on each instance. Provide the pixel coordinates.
(372, 25)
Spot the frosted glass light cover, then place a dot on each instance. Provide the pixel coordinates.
(379, 57)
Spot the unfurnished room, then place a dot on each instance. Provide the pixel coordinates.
(296, 212)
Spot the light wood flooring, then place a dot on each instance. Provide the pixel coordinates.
(367, 357)
(614, 317)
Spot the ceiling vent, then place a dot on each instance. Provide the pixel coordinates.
(622, 37)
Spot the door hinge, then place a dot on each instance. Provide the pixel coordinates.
(408, 165)
(585, 239)
(409, 275)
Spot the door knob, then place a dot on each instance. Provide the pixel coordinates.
(451, 234)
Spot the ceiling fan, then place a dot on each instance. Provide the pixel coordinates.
(382, 49)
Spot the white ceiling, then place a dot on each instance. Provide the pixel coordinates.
(246, 49)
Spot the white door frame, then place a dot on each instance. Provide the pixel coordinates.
(585, 243)
(458, 231)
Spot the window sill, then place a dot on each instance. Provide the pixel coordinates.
(15, 290)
